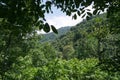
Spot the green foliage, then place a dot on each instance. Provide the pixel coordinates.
(73, 70)
(22, 65)
(30, 15)
(28, 59)
(52, 36)
(58, 69)
(92, 38)
(22, 58)
(68, 52)
(22, 70)
(83, 38)
(54, 29)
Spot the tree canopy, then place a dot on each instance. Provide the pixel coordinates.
(25, 16)
(23, 57)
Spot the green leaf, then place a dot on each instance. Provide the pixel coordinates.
(98, 12)
(68, 13)
(37, 23)
(89, 13)
(54, 29)
(75, 16)
(40, 27)
(95, 11)
(83, 11)
(83, 15)
(88, 9)
(74, 10)
(40, 24)
(49, 3)
(42, 6)
(77, 3)
(78, 12)
(46, 28)
(88, 17)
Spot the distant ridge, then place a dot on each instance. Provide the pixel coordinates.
(52, 36)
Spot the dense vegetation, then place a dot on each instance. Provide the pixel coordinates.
(72, 56)
(52, 36)
(87, 37)
(89, 51)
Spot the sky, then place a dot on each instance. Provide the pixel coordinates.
(59, 19)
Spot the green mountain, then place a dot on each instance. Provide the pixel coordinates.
(52, 36)
(90, 38)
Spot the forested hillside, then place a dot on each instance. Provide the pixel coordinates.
(52, 36)
(88, 51)
(81, 41)
(88, 39)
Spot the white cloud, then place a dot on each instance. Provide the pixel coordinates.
(59, 19)
(62, 21)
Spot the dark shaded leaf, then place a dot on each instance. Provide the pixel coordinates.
(74, 10)
(38, 23)
(68, 13)
(83, 11)
(90, 14)
(95, 12)
(40, 27)
(42, 6)
(98, 12)
(46, 28)
(83, 15)
(88, 17)
(77, 3)
(75, 16)
(48, 2)
(78, 12)
(54, 29)
(88, 9)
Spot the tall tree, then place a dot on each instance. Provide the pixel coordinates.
(20, 18)
(23, 16)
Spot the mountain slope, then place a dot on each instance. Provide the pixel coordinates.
(52, 36)
(81, 41)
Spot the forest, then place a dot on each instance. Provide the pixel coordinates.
(89, 50)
